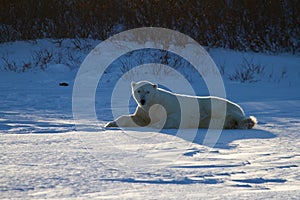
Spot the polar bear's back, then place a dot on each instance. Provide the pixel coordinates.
(187, 103)
(195, 111)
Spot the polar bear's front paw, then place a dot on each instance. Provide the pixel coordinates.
(111, 124)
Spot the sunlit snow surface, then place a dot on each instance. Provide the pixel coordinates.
(44, 156)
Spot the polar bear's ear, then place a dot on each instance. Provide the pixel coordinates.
(133, 84)
(154, 86)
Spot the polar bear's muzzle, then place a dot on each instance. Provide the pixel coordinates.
(143, 102)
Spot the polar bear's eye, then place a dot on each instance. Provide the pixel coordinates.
(148, 92)
(138, 91)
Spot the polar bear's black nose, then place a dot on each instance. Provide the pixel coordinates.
(143, 101)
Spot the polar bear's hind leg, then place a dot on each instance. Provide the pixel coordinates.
(230, 123)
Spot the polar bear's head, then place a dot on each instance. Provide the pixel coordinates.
(144, 93)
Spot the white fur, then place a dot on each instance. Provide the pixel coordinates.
(159, 108)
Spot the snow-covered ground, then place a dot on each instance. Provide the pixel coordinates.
(44, 156)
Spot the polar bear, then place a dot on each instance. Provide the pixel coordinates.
(160, 108)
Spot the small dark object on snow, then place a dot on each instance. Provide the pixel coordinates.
(63, 84)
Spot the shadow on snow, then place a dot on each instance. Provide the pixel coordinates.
(224, 140)
(183, 181)
(226, 137)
